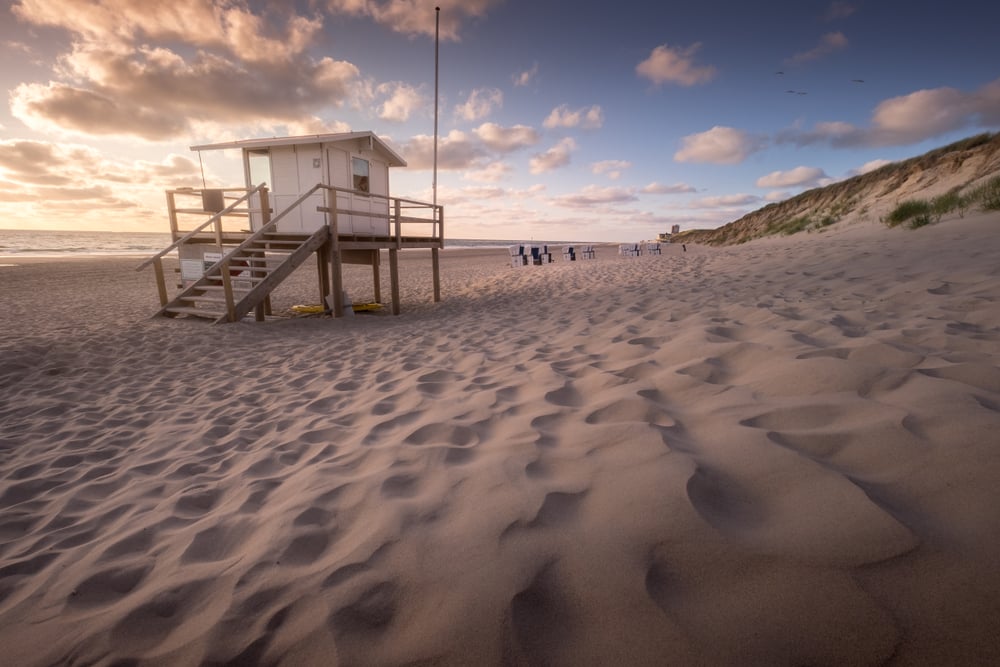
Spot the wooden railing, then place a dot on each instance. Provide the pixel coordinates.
(433, 216)
(395, 207)
(216, 219)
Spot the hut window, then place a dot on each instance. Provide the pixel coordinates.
(360, 168)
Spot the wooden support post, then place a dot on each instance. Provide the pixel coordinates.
(376, 275)
(336, 266)
(435, 267)
(323, 269)
(394, 279)
(161, 283)
(265, 207)
(172, 216)
(260, 311)
(227, 288)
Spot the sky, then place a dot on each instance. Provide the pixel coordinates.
(579, 121)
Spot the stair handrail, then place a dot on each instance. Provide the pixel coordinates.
(266, 228)
(199, 228)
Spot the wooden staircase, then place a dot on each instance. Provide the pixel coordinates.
(243, 279)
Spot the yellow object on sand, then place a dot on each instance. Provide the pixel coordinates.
(312, 309)
(307, 310)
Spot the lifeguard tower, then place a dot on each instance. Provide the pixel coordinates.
(326, 195)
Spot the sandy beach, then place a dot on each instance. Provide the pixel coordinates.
(780, 453)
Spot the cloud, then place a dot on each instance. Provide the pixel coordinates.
(593, 195)
(675, 65)
(829, 43)
(413, 18)
(908, 119)
(662, 189)
(525, 77)
(797, 177)
(402, 101)
(456, 150)
(555, 157)
(613, 168)
(480, 104)
(80, 188)
(725, 201)
(872, 165)
(506, 139)
(117, 23)
(160, 70)
(839, 10)
(491, 173)
(719, 145)
(562, 116)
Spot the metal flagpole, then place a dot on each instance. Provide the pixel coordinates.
(437, 24)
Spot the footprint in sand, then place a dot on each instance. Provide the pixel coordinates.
(108, 586)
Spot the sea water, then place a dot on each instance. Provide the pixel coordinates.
(46, 243)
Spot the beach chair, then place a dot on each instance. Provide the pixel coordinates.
(587, 252)
(628, 250)
(653, 248)
(518, 256)
(568, 253)
(540, 255)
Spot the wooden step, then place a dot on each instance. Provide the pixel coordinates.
(196, 312)
(205, 299)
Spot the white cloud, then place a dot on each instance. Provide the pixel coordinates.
(593, 195)
(675, 65)
(108, 86)
(612, 168)
(456, 150)
(872, 165)
(525, 77)
(907, 119)
(116, 23)
(506, 139)
(662, 189)
(797, 177)
(922, 114)
(480, 104)
(414, 18)
(555, 157)
(719, 145)
(491, 173)
(563, 116)
(829, 43)
(402, 101)
(725, 201)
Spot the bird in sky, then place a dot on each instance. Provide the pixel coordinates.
(857, 80)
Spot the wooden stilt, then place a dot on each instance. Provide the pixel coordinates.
(227, 289)
(394, 279)
(323, 268)
(337, 271)
(161, 282)
(435, 267)
(377, 278)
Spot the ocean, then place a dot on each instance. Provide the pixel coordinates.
(43, 243)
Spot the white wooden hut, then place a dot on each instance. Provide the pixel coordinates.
(326, 194)
(355, 161)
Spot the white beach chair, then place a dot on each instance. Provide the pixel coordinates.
(587, 252)
(518, 256)
(569, 253)
(653, 248)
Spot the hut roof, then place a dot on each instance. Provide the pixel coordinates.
(267, 142)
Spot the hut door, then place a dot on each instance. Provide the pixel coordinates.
(340, 177)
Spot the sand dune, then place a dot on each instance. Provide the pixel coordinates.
(778, 453)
